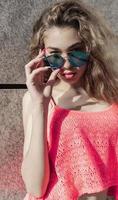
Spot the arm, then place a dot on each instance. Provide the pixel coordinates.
(35, 166)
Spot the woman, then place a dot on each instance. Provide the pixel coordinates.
(70, 111)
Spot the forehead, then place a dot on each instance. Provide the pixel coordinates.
(61, 38)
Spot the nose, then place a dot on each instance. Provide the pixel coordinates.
(66, 63)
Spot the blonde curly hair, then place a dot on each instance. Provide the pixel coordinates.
(100, 79)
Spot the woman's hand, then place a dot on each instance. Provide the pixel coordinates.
(35, 71)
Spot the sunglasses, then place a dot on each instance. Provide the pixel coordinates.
(76, 59)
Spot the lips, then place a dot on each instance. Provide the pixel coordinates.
(68, 75)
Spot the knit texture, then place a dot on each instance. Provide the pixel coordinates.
(83, 153)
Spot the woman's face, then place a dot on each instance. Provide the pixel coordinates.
(62, 41)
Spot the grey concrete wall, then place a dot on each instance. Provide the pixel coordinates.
(16, 20)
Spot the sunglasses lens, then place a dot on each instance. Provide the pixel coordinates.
(55, 61)
(80, 54)
(75, 62)
(78, 58)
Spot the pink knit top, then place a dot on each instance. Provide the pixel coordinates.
(83, 153)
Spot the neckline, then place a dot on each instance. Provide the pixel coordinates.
(110, 107)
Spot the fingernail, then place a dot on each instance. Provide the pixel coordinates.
(43, 51)
(39, 51)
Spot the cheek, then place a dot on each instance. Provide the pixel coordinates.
(81, 70)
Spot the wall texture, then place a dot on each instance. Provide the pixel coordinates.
(16, 20)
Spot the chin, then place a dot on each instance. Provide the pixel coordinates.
(73, 81)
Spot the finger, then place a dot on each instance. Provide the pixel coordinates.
(30, 65)
(38, 71)
(43, 74)
(41, 50)
(50, 83)
(54, 74)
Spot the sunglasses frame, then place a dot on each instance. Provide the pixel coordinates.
(83, 60)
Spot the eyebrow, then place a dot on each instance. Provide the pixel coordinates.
(71, 47)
